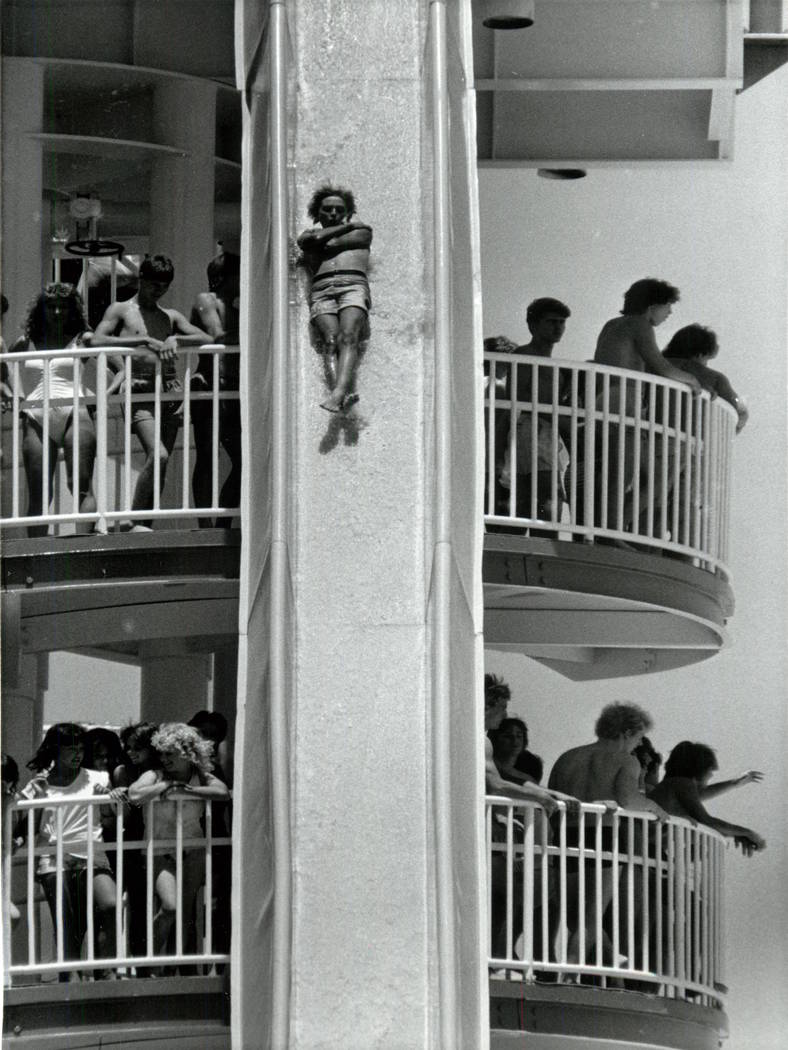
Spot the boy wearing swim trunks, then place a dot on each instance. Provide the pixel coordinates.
(337, 255)
(141, 322)
(607, 772)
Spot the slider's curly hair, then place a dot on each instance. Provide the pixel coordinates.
(327, 190)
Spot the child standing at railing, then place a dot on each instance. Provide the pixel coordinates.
(186, 771)
(60, 776)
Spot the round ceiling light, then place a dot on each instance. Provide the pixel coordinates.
(562, 174)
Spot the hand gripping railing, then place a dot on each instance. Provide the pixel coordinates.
(107, 909)
(597, 453)
(100, 445)
(616, 899)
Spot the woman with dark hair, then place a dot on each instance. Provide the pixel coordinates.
(685, 787)
(60, 775)
(55, 321)
(512, 758)
(691, 349)
(103, 751)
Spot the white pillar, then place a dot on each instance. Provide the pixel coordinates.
(22, 180)
(182, 188)
(23, 709)
(174, 684)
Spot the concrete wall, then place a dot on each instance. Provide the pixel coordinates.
(720, 235)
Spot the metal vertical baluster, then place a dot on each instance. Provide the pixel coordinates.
(59, 884)
(91, 930)
(157, 383)
(31, 887)
(15, 451)
(187, 403)
(533, 511)
(209, 879)
(179, 902)
(215, 434)
(514, 412)
(102, 459)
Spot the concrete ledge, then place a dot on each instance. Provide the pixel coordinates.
(550, 1016)
(183, 1012)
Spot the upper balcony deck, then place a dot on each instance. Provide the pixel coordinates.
(607, 499)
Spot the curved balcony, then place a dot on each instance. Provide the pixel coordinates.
(608, 912)
(606, 492)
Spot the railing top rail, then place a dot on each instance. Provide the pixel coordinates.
(563, 364)
(598, 808)
(107, 800)
(96, 351)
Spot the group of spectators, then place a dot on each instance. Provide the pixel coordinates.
(620, 769)
(56, 320)
(168, 762)
(627, 342)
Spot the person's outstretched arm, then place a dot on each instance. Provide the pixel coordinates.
(727, 393)
(752, 776)
(689, 796)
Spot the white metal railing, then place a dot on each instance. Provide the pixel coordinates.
(114, 470)
(617, 899)
(38, 934)
(603, 454)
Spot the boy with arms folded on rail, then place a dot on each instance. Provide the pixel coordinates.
(142, 322)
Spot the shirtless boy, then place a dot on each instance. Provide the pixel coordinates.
(337, 255)
(217, 313)
(606, 772)
(629, 342)
(141, 322)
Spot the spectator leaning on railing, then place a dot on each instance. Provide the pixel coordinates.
(186, 761)
(536, 466)
(140, 322)
(55, 321)
(691, 349)
(606, 772)
(60, 775)
(629, 342)
(515, 763)
(685, 787)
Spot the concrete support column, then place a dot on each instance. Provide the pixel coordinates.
(22, 182)
(174, 684)
(182, 188)
(23, 709)
(353, 720)
(225, 689)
